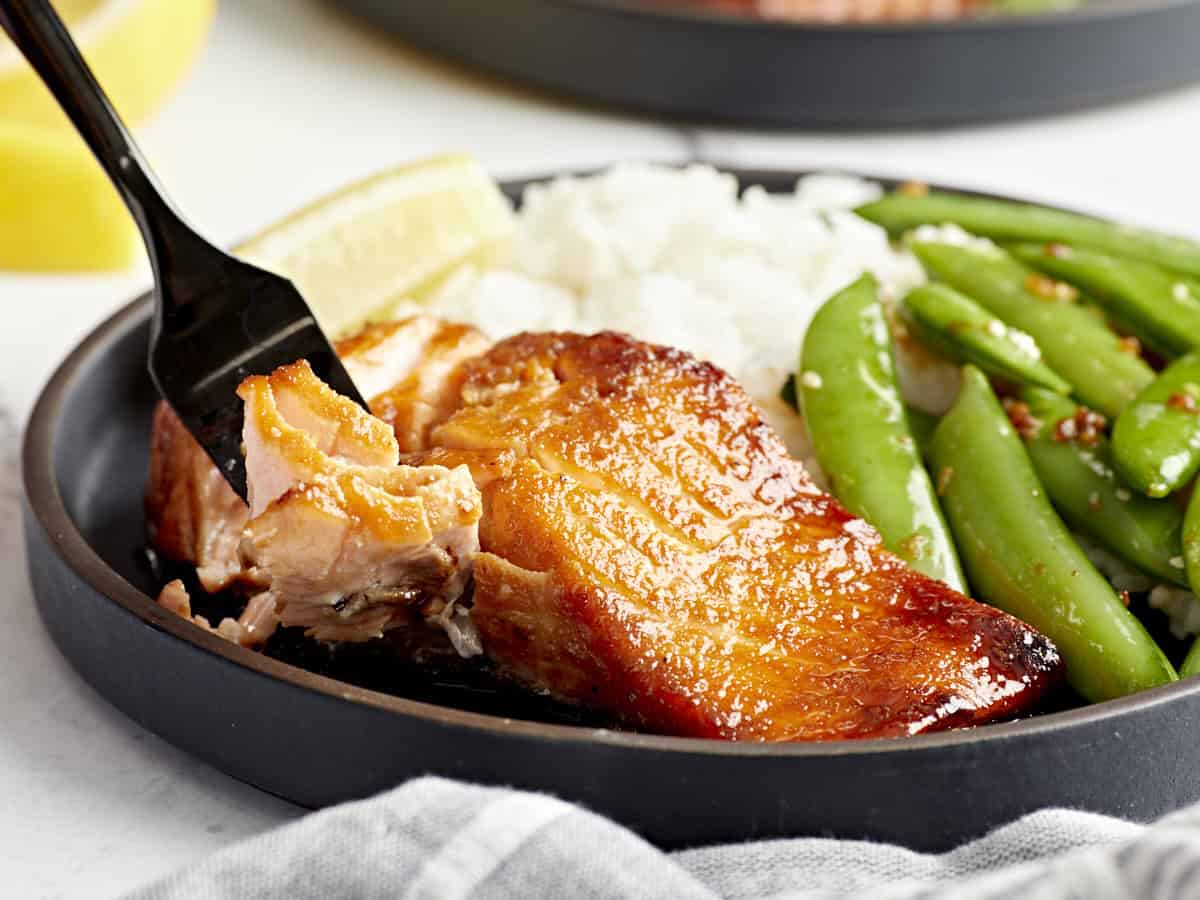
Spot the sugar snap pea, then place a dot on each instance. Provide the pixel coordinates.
(1073, 460)
(1191, 541)
(1074, 343)
(1020, 557)
(860, 432)
(1156, 440)
(1156, 305)
(1191, 555)
(960, 329)
(1010, 221)
(922, 425)
(1029, 7)
(1191, 665)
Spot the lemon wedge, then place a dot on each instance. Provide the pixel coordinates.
(139, 50)
(393, 236)
(58, 210)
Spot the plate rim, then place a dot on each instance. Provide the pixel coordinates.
(44, 499)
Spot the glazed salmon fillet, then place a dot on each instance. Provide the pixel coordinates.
(650, 549)
(646, 547)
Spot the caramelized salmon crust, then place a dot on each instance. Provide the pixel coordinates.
(649, 548)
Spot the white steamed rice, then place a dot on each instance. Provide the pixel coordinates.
(676, 257)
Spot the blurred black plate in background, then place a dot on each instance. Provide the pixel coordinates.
(718, 68)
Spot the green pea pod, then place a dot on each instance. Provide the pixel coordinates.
(1191, 541)
(1073, 341)
(861, 435)
(1191, 555)
(1028, 7)
(1020, 557)
(1006, 220)
(960, 329)
(1191, 665)
(1155, 305)
(1156, 440)
(922, 425)
(1081, 482)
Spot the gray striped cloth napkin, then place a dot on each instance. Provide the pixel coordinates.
(439, 839)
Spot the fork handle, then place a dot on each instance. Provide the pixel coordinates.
(40, 35)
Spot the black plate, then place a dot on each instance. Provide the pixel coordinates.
(708, 67)
(316, 740)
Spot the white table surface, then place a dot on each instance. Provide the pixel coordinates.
(290, 100)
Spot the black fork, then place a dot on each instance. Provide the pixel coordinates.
(216, 319)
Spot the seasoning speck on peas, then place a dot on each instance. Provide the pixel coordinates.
(1184, 401)
(1131, 345)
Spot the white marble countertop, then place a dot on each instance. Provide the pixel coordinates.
(289, 100)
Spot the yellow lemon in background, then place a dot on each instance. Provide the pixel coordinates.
(58, 211)
(139, 49)
(397, 235)
(57, 208)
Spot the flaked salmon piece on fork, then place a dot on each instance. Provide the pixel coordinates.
(409, 370)
(351, 540)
